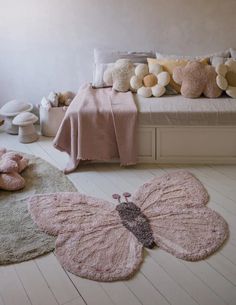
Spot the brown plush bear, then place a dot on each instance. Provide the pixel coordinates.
(65, 98)
(196, 79)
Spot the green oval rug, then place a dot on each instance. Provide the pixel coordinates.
(20, 239)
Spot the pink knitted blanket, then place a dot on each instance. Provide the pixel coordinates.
(100, 124)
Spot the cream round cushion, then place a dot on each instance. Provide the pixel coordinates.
(149, 80)
(226, 77)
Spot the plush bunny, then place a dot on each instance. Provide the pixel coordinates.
(11, 165)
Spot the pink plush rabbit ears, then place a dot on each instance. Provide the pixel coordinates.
(102, 241)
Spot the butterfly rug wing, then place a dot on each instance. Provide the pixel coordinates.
(91, 242)
(181, 224)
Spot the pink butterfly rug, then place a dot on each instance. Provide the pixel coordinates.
(101, 241)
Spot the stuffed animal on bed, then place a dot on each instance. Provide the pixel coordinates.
(11, 165)
(57, 99)
(119, 75)
(150, 80)
(196, 79)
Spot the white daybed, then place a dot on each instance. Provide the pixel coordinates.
(173, 129)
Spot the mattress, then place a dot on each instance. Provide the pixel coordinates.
(177, 110)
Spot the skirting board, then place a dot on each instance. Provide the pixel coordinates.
(187, 144)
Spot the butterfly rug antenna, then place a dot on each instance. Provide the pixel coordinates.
(118, 197)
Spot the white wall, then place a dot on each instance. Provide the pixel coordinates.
(47, 44)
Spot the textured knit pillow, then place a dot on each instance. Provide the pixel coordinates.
(196, 79)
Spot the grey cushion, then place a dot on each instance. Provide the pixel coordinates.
(103, 56)
(177, 110)
(225, 53)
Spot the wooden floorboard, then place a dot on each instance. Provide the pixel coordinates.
(162, 279)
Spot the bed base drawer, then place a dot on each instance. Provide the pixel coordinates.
(187, 144)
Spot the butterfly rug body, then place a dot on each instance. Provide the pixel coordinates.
(101, 241)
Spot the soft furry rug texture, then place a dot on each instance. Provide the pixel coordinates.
(20, 238)
(102, 241)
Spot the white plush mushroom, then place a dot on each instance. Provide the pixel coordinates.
(150, 80)
(10, 110)
(226, 77)
(27, 132)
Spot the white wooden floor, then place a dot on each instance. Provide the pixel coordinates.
(162, 279)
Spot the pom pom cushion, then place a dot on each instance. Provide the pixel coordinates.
(150, 80)
(196, 79)
(226, 78)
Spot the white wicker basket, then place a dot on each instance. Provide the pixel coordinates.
(50, 120)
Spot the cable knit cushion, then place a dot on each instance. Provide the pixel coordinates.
(102, 241)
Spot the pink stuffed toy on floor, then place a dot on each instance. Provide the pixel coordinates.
(11, 165)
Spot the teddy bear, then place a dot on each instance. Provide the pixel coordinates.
(61, 99)
(150, 80)
(197, 78)
(226, 77)
(65, 98)
(119, 75)
(11, 165)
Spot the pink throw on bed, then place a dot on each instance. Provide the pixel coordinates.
(100, 124)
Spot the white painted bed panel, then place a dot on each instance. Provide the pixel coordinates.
(186, 144)
(197, 142)
(146, 144)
